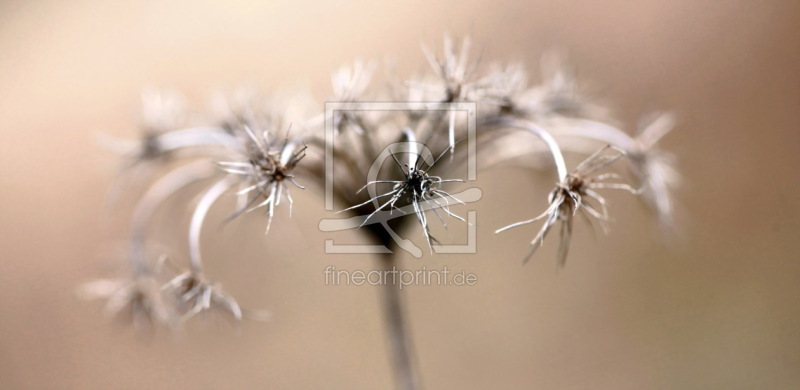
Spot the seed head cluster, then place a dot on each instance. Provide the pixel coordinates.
(258, 149)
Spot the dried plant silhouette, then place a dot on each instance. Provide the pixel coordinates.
(260, 150)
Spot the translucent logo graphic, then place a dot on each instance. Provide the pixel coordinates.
(417, 153)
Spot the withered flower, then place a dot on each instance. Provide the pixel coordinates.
(576, 194)
(266, 173)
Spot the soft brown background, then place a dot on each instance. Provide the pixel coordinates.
(720, 310)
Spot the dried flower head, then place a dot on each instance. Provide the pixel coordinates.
(163, 110)
(453, 70)
(350, 82)
(655, 168)
(265, 172)
(417, 188)
(576, 194)
(501, 88)
(193, 294)
(136, 300)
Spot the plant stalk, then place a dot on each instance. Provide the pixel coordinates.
(406, 375)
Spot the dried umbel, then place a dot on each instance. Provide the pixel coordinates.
(259, 151)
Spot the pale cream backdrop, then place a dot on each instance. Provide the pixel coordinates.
(719, 310)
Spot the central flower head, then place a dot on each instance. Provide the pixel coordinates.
(417, 183)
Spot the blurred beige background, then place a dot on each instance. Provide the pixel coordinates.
(719, 311)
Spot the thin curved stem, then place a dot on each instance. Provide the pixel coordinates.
(600, 132)
(196, 137)
(199, 215)
(154, 197)
(550, 142)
